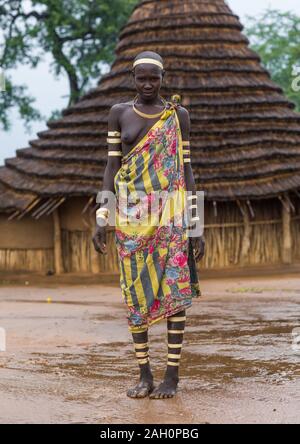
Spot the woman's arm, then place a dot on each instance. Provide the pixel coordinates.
(185, 125)
(114, 145)
(112, 167)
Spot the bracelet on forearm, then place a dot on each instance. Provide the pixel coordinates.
(192, 198)
(114, 138)
(186, 151)
(103, 213)
(114, 153)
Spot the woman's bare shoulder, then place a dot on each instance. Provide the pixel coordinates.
(183, 115)
(115, 115)
(121, 105)
(118, 108)
(182, 111)
(184, 121)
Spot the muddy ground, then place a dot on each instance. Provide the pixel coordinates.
(69, 356)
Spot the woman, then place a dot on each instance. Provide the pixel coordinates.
(148, 141)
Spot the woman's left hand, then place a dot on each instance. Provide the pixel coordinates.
(198, 244)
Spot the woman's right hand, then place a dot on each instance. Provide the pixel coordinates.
(99, 240)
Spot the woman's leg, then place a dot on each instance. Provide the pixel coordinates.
(141, 347)
(168, 387)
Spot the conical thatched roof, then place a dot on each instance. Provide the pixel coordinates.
(245, 134)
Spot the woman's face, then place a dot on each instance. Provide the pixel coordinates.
(148, 80)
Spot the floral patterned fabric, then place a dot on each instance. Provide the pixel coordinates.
(158, 274)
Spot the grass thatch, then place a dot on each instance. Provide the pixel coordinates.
(245, 136)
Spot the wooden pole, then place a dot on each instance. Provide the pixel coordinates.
(29, 208)
(215, 208)
(250, 209)
(58, 263)
(244, 258)
(287, 231)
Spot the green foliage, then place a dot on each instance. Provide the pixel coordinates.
(80, 36)
(276, 38)
(17, 97)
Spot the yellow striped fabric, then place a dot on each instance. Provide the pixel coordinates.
(157, 277)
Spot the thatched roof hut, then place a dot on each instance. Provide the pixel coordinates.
(245, 141)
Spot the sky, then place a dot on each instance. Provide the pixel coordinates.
(50, 93)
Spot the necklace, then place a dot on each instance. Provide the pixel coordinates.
(148, 116)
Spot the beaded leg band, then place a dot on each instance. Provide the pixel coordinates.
(176, 326)
(141, 347)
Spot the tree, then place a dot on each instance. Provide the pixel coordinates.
(276, 37)
(80, 35)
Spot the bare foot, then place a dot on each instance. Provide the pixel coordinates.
(167, 389)
(142, 389)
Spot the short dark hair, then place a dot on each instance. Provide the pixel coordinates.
(149, 54)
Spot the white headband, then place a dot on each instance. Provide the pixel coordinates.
(148, 60)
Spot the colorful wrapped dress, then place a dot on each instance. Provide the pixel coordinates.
(158, 275)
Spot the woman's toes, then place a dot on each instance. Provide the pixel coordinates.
(131, 393)
(141, 390)
(143, 393)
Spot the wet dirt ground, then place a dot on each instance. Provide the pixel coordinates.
(69, 356)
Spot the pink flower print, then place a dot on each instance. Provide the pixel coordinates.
(174, 237)
(147, 146)
(120, 235)
(177, 184)
(162, 232)
(184, 278)
(162, 262)
(157, 163)
(182, 181)
(168, 173)
(155, 306)
(173, 147)
(168, 302)
(151, 198)
(185, 291)
(180, 259)
(151, 249)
